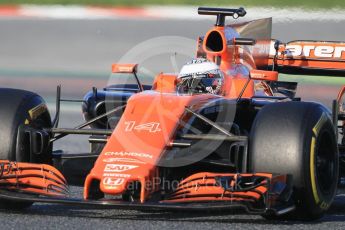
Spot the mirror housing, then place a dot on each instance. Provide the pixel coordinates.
(263, 75)
(124, 68)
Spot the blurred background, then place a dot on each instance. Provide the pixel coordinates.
(246, 3)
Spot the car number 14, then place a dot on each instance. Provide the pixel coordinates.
(151, 127)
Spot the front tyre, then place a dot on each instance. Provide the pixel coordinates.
(298, 138)
(18, 109)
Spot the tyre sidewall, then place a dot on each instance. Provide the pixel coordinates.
(310, 194)
(281, 142)
(20, 107)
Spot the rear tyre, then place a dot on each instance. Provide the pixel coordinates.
(21, 108)
(298, 138)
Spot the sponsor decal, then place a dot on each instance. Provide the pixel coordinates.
(129, 154)
(319, 51)
(37, 111)
(113, 182)
(128, 160)
(306, 50)
(118, 167)
(151, 127)
(116, 175)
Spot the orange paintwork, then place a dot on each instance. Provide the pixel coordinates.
(147, 126)
(151, 118)
(263, 75)
(165, 83)
(226, 54)
(234, 85)
(203, 187)
(311, 55)
(230, 57)
(124, 68)
(220, 31)
(32, 178)
(230, 54)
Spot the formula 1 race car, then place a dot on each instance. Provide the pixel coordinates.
(253, 146)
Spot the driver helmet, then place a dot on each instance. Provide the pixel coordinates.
(200, 76)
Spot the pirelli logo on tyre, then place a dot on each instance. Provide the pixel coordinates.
(37, 111)
(315, 130)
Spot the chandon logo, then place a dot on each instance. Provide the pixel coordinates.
(118, 167)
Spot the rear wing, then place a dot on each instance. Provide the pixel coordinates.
(308, 57)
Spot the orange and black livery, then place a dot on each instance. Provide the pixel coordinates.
(253, 145)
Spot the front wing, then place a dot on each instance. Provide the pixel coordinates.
(258, 193)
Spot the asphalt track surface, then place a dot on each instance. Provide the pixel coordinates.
(39, 54)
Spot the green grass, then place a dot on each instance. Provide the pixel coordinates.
(245, 3)
(309, 79)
